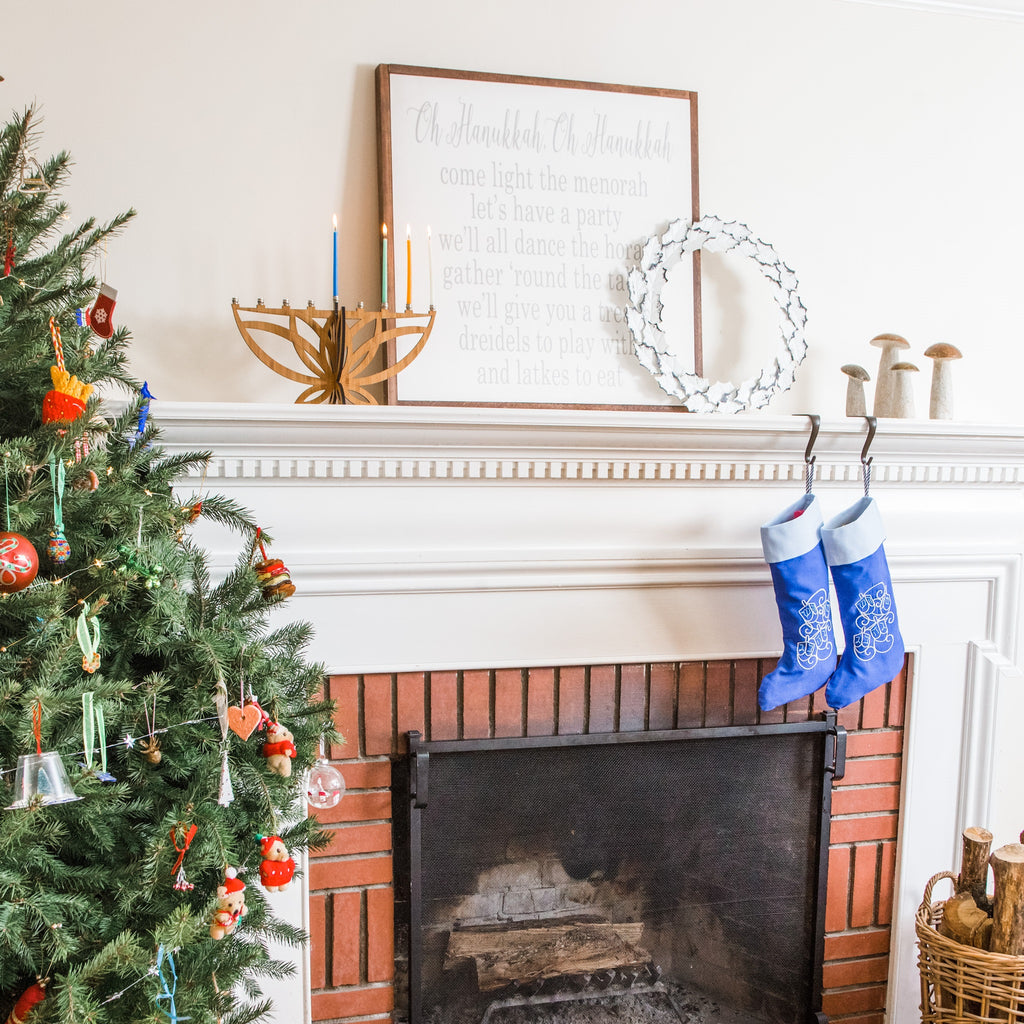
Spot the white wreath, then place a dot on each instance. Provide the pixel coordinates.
(644, 316)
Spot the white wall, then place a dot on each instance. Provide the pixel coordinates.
(875, 148)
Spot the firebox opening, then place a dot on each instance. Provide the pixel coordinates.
(648, 868)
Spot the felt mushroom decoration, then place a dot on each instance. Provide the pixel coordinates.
(890, 344)
(856, 404)
(902, 391)
(940, 405)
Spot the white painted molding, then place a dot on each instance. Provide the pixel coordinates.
(985, 670)
(327, 444)
(1003, 10)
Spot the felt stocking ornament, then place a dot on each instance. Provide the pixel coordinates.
(792, 549)
(860, 572)
(101, 316)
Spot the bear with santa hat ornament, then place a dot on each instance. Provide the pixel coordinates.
(276, 869)
(231, 906)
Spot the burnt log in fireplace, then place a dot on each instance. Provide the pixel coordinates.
(543, 869)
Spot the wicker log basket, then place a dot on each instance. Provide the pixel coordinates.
(960, 983)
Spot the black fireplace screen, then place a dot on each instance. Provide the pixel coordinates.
(628, 862)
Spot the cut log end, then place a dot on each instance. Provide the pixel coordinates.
(973, 878)
(1008, 914)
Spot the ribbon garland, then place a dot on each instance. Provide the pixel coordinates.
(227, 792)
(140, 429)
(57, 474)
(181, 883)
(167, 991)
(37, 725)
(259, 542)
(58, 348)
(221, 701)
(93, 725)
(89, 642)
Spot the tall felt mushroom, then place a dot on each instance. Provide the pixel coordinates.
(890, 344)
(855, 402)
(940, 405)
(902, 391)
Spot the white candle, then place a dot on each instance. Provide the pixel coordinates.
(430, 267)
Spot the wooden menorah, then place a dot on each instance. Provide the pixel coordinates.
(336, 346)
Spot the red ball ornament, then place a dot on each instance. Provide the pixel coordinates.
(19, 562)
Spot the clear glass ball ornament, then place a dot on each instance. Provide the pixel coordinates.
(325, 785)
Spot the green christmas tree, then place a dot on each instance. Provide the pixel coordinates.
(119, 664)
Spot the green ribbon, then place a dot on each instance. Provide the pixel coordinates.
(93, 725)
(89, 642)
(57, 478)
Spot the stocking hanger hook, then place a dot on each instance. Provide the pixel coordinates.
(865, 459)
(810, 459)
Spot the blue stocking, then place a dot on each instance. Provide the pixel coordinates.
(792, 549)
(874, 647)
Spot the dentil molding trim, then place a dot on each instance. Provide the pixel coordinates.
(269, 443)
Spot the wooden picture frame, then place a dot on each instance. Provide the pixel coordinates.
(538, 195)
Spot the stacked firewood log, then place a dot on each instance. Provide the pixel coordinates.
(973, 917)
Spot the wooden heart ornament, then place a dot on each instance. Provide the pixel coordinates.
(243, 721)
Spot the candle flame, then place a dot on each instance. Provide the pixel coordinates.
(408, 231)
(334, 219)
(384, 230)
(428, 231)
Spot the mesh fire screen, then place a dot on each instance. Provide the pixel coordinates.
(698, 855)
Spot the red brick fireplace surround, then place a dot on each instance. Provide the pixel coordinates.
(351, 881)
(439, 553)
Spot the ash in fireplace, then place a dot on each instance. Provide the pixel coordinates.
(650, 1008)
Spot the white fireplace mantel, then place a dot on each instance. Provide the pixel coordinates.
(459, 537)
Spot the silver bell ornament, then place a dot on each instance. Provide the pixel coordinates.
(40, 778)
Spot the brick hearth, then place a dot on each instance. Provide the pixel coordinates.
(351, 881)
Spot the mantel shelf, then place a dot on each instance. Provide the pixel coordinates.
(386, 443)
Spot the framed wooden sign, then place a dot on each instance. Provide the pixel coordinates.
(517, 207)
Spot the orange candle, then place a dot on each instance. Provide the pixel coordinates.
(408, 266)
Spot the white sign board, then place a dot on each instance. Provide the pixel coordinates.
(538, 195)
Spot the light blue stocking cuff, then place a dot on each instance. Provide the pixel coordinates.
(784, 537)
(853, 534)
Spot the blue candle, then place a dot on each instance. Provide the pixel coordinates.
(335, 279)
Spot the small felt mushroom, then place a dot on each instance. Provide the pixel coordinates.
(855, 402)
(890, 344)
(902, 391)
(940, 405)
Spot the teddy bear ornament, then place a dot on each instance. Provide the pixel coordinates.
(276, 869)
(279, 749)
(231, 906)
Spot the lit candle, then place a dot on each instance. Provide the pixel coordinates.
(408, 266)
(430, 267)
(384, 267)
(335, 278)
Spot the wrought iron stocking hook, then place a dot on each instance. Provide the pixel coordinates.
(810, 459)
(865, 459)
